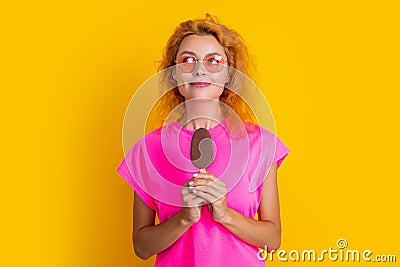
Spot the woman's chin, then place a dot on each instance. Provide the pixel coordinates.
(202, 98)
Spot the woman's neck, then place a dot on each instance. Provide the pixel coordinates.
(201, 113)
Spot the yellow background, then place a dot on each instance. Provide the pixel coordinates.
(329, 70)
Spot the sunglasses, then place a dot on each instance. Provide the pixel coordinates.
(212, 63)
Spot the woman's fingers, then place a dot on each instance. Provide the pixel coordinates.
(207, 196)
(208, 182)
(187, 188)
(216, 193)
(204, 188)
(208, 176)
(193, 201)
(190, 199)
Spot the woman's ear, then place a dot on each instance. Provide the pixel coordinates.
(228, 78)
(173, 73)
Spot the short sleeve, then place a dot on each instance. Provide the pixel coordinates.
(281, 151)
(126, 173)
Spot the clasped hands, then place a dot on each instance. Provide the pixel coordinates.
(204, 189)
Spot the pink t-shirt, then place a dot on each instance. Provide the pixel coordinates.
(159, 164)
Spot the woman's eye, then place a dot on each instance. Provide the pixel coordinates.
(212, 61)
(189, 60)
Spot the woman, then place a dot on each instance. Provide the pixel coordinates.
(213, 225)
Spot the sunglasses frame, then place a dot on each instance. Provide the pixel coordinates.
(195, 64)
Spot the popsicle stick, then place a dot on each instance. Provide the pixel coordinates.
(203, 171)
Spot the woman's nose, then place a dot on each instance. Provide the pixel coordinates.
(200, 69)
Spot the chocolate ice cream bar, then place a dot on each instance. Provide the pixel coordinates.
(201, 151)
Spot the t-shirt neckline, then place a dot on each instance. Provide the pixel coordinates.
(214, 131)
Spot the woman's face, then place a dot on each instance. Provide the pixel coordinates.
(203, 81)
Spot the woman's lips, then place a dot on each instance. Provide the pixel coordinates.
(199, 84)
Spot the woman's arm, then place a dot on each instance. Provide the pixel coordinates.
(150, 239)
(266, 231)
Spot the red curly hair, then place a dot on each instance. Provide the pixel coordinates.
(237, 57)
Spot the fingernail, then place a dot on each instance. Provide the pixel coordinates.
(194, 191)
(191, 183)
(195, 174)
(190, 187)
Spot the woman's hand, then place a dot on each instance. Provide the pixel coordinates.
(213, 192)
(192, 205)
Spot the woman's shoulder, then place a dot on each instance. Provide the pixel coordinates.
(155, 135)
(262, 137)
(255, 129)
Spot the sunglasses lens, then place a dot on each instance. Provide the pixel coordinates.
(214, 63)
(187, 63)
